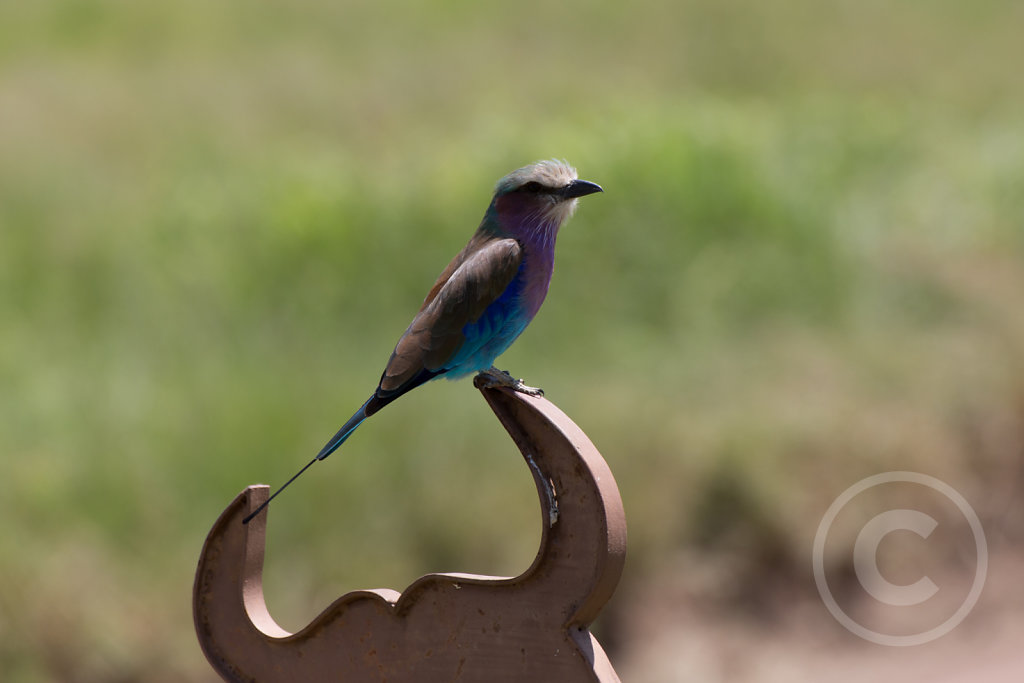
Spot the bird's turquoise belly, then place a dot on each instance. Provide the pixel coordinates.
(490, 335)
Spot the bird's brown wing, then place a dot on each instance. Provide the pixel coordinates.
(471, 282)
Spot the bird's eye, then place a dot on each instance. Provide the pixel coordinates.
(533, 186)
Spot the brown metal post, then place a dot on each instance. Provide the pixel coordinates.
(444, 627)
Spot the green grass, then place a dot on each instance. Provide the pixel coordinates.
(215, 220)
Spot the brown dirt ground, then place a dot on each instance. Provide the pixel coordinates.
(669, 636)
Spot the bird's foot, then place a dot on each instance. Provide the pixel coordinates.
(494, 377)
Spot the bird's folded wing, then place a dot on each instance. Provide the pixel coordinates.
(436, 333)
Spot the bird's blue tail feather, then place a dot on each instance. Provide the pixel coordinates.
(343, 433)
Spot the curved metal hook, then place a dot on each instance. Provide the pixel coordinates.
(444, 627)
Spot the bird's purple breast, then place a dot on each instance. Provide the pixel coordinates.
(535, 277)
(520, 219)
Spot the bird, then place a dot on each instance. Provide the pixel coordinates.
(484, 298)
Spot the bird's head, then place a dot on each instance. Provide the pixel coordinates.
(543, 193)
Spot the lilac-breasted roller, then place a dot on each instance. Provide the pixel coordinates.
(486, 296)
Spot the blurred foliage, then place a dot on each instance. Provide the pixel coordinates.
(216, 219)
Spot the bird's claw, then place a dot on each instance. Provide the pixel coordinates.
(500, 378)
(522, 388)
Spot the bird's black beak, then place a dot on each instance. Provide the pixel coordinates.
(579, 188)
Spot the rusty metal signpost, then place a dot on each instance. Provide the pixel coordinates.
(443, 627)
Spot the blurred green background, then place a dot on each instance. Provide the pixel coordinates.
(217, 218)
